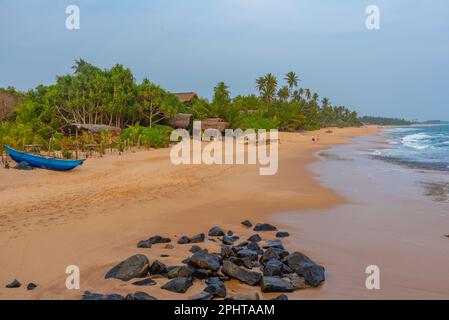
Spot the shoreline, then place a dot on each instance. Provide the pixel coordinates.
(94, 217)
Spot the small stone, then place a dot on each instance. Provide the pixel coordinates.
(198, 238)
(273, 268)
(264, 227)
(183, 240)
(14, 284)
(313, 273)
(269, 254)
(230, 233)
(202, 274)
(282, 234)
(247, 223)
(296, 281)
(158, 267)
(276, 243)
(226, 251)
(164, 255)
(145, 282)
(158, 239)
(180, 272)
(255, 238)
(255, 247)
(228, 240)
(178, 285)
(275, 284)
(195, 249)
(250, 295)
(216, 232)
(97, 296)
(169, 246)
(281, 297)
(234, 271)
(216, 287)
(204, 260)
(203, 295)
(139, 296)
(144, 244)
(31, 286)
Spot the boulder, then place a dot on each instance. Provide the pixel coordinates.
(247, 223)
(14, 284)
(202, 274)
(268, 255)
(234, 271)
(158, 267)
(282, 234)
(139, 296)
(273, 268)
(216, 287)
(158, 239)
(136, 266)
(97, 296)
(178, 285)
(264, 227)
(275, 284)
(255, 238)
(313, 273)
(272, 244)
(195, 249)
(145, 282)
(216, 232)
(296, 281)
(180, 272)
(204, 260)
(198, 238)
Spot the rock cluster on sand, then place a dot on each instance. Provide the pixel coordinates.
(255, 262)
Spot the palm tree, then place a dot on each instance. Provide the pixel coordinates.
(292, 81)
(308, 94)
(267, 86)
(284, 93)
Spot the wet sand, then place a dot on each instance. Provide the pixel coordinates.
(94, 216)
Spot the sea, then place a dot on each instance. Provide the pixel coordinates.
(420, 147)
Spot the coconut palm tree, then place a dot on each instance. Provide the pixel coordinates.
(292, 81)
(284, 93)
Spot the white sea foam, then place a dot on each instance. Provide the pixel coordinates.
(416, 141)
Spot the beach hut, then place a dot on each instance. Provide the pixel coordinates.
(186, 97)
(214, 123)
(74, 128)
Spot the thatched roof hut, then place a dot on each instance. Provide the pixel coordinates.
(185, 97)
(214, 123)
(179, 121)
(91, 128)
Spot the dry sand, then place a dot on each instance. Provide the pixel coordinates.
(93, 216)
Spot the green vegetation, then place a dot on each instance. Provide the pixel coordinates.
(91, 95)
(382, 121)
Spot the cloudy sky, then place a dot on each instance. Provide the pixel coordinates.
(401, 70)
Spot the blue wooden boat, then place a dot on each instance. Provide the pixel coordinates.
(43, 162)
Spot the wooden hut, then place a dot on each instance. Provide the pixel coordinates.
(186, 97)
(74, 128)
(214, 123)
(179, 121)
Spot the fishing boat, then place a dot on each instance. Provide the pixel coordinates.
(38, 161)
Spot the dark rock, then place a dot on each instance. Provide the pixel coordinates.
(158, 267)
(23, 166)
(296, 281)
(204, 260)
(97, 296)
(144, 244)
(235, 260)
(14, 284)
(255, 238)
(178, 285)
(281, 297)
(234, 271)
(268, 255)
(248, 262)
(248, 254)
(226, 251)
(255, 247)
(216, 287)
(198, 238)
(203, 295)
(264, 227)
(230, 233)
(136, 266)
(282, 234)
(31, 286)
(145, 282)
(186, 261)
(158, 239)
(202, 274)
(272, 244)
(275, 284)
(216, 232)
(304, 266)
(273, 268)
(228, 240)
(180, 272)
(195, 249)
(139, 296)
(242, 244)
(183, 240)
(247, 223)
(165, 255)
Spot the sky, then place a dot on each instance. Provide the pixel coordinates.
(400, 70)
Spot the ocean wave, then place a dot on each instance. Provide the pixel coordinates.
(419, 141)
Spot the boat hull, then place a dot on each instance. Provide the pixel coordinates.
(43, 162)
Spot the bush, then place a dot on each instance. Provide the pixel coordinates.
(254, 122)
(157, 136)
